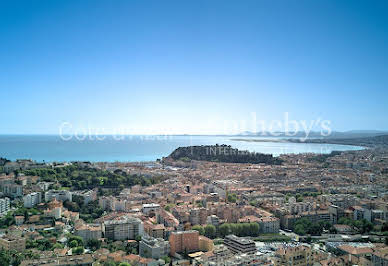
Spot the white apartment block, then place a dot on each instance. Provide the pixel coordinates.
(4, 206)
(32, 199)
(60, 195)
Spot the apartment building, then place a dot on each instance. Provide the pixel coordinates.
(126, 228)
(205, 244)
(213, 220)
(167, 219)
(32, 199)
(155, 248)
(184, 241)
(89, 231)
(86, 195)
(198, 216)
(269, 225)
(154, 230)
(12, 190)
(61, 195)
(4, 206)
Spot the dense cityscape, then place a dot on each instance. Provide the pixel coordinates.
(310, 209)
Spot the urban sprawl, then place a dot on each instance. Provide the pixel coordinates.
(307, 210)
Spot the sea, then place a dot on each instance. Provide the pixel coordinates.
(140, 148)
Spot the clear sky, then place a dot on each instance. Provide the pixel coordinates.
(191, 66)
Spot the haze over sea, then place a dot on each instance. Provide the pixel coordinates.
(51, 148)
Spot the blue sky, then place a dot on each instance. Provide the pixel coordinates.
(191, 66)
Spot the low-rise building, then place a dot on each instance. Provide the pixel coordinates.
(239, 244)
(152, 207)
(19, 220)
(10, 242)
(380, 257)
(79, 260)
(299, 255)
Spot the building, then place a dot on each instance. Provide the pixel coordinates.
(19, 220)
(12, 190)
(4, 206)
(299, 255)
(155, 248)
(343, 229)
(32, 199)
(198, 216)
(10, 242)
(79, 260)
(44, 185)
(167, 219)
(87, 195)
(298, 207)
(359, 251)
(61, 195)
(335, 213)
(152, 207)
(213, 220)
(269, 225)
(89, 231)
(380, 257)
(126, 228)
(205, 244)
(154, 230)
(184, 241)
(55, 212)
(239, 244)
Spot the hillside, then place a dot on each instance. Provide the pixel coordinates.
(221, 153)
(376, 141)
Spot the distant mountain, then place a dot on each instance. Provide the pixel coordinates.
(375, 141)
(316, 134)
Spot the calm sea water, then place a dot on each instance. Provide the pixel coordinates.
(137, 148)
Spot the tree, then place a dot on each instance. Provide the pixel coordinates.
(94, 244)
(232, 197)
(166, 259)
(57, 245)
(73, 244)
(77, 250)
(224, 230)
(254, 229)
(300, 230)
(78, 239)
(199, 229)
(109, 263)
(210, 231)
(124, 264)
